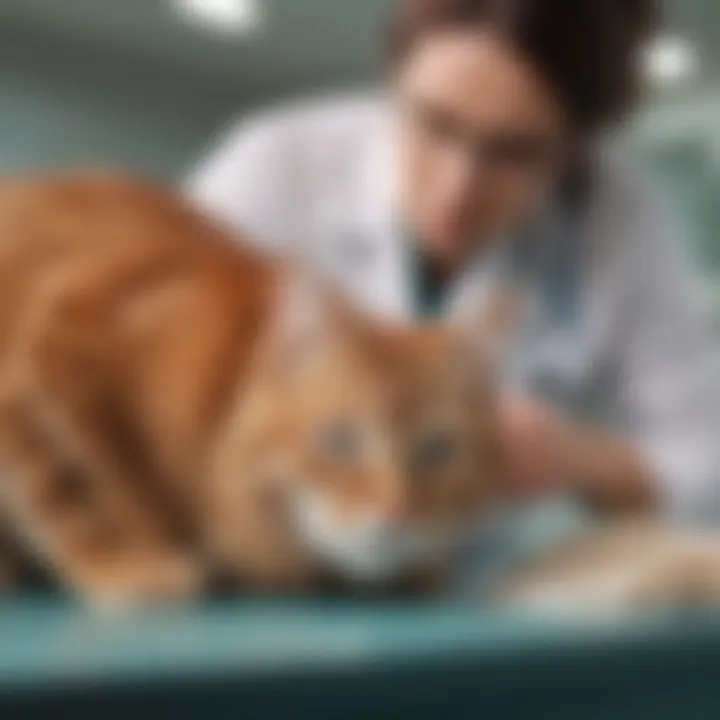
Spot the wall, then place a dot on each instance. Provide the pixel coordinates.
(681, 142)
(64, 105)
(60, 105)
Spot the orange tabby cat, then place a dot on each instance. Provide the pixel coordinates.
(172, 406)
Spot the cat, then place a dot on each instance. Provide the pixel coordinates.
(176, 407)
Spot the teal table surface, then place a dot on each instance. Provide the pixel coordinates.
(275, 660)
(288, 660)
(43, 643)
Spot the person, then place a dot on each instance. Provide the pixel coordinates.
(488, 155)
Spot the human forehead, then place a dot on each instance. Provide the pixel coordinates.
(481, 79)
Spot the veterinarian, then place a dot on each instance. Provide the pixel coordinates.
(489, 156)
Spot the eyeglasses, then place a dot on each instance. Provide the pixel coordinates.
(511, 151)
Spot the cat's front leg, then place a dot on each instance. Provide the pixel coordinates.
(97, 548)
(81, 500)
(140, 579)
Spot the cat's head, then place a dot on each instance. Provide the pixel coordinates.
(378, 442)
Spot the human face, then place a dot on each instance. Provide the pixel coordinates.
(480, 135)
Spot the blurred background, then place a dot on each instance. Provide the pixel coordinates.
(145, 83)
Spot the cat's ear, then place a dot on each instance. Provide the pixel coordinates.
(302, 323)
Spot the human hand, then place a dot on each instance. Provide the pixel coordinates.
(539, 448)
(546, 453)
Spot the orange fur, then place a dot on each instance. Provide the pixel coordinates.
(155, 411)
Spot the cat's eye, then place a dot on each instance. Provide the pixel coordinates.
(342, 441)
(435, 451)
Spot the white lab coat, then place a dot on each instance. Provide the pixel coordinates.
(316, 181)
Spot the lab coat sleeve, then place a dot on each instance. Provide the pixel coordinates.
(247, 182)
(668, 361)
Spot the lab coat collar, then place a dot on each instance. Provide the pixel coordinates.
(377, 249)
(378, 224)
(362, 247)
(376, 221)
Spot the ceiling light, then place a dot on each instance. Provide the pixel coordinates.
(668, 60)
(221, 16)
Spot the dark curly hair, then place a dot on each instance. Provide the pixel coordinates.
(587, 50)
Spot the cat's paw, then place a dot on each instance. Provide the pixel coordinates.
(142, 580)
